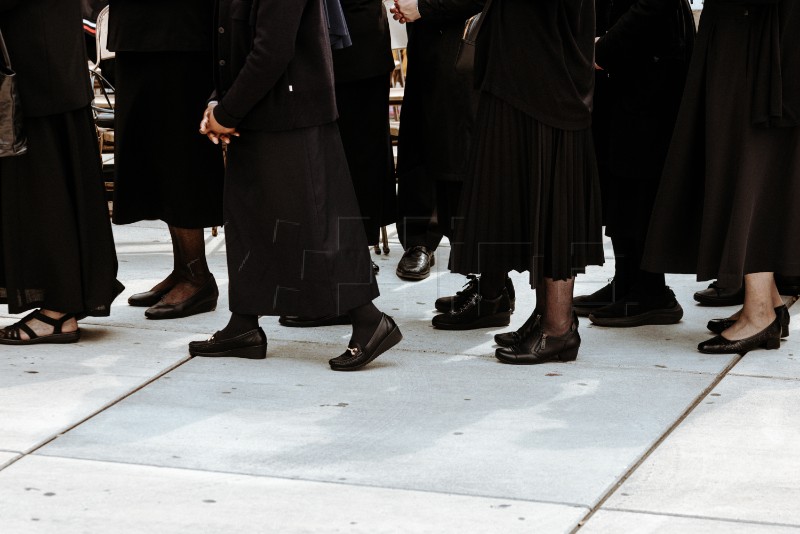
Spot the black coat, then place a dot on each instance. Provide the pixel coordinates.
(439, 105)
(45, 42)
(371, 52)
(149, 25)
(274, 68)
(645, 55)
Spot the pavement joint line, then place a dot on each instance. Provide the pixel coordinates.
(686, 413)
(767, 377)
(97, 412)
(704, 517)
(316, 481)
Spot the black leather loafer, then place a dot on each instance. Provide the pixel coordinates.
(416, 263)
(147, 298)
(386, 336)
(204, 300)
(716, 295)
(538, 347)
(296, 321)
(769, 338)
(472, 287)
(251, 345)
(718, 326)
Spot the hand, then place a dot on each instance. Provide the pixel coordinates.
(214, 130)
(405, 11)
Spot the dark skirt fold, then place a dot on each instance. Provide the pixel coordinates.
(56, 245)
(531, 201)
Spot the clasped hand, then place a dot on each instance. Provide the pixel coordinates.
(405, 11)
(214, 130)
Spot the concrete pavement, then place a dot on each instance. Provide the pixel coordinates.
(123, 432)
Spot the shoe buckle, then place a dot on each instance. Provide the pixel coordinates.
(353, 351)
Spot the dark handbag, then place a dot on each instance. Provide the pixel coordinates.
(12, 138)
(465, 59)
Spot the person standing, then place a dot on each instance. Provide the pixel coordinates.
(726, 206)
(641, 59)
(164, 76)
(295, 241)
(362, 72)
(438, 113)
(57, 251)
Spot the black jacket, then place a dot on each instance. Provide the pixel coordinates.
(160, 26)
(274, 68)
(371, 53)
(46, 45)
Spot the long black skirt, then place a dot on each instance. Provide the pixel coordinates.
(294, 237)
(56, 246)
(531, 201)
(164, 168)
(363, 106)
(727, 205)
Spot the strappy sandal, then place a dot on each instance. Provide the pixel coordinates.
(10, 335)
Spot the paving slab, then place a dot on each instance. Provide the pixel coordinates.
(460, 424)
(605, 522)
(735, 457)
(45, 389)
(66, 496)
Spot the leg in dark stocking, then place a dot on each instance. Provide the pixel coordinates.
(190, 263)
(493, 281)
(558, 319)
(238, 325)
(374, 333)
(365, 319)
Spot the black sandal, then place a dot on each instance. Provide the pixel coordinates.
(10, 335)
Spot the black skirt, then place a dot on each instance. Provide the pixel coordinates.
(727, 204)
(294, 236)
(364, 127)
(56, 247)
(531, 201)
(164, 168)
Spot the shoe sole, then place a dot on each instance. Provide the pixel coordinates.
(445, 309)
(56, 339)
(492, 321)
(203, 307)
(655, 317)
(394, 337)
(255, 352)
(562, 357)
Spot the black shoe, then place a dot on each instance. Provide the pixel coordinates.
(769, 338)
(637, 310)
(477, 312)
(508, 339)
(716, 295)
(538, 347)
(204, 300)
(386, 336)
(781, 312)
(251, 345)
(375, 268)
(416, 263)
(605, 296)
(147, 298)
(446, 304)
(309, 322)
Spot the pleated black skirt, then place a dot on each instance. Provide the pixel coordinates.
(531, 201)
(165, 170)
(56, 246)
(727, 204)
(294, 236)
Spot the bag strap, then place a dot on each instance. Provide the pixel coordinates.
(6, 59)
(479, 22)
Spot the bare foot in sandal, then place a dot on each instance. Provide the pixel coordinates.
(42, 326)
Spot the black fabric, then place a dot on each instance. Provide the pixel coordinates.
(158, 25)
(273, 71)
(532, 202)
(56, 247)
(371, 52)
(364, 128)
(727, 202)
(174, 175)
(539, 57)
(45, 41)
(429, 210)
(295, 241)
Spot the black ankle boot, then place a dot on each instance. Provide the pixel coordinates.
(538, 347)
(509, 339)
(477, 312)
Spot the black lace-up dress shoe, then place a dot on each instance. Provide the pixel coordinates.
(251, 345)
(477, 312)
(416, 263)
(472, 287)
